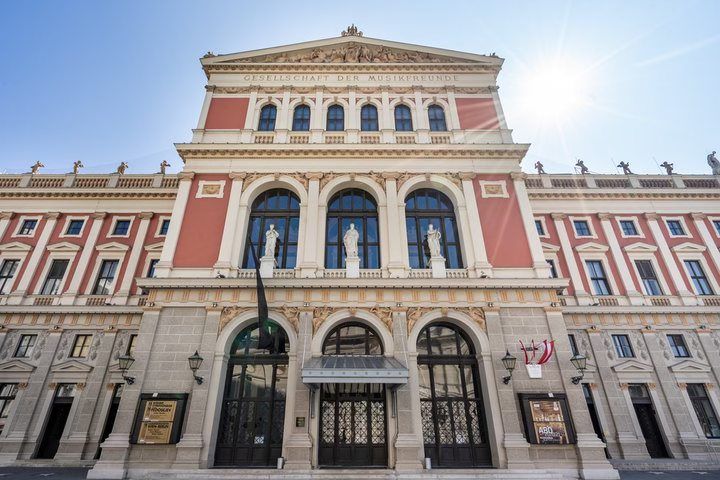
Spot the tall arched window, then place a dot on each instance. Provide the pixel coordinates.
(451, 406)
(281, 208)
(253, 408)
(422, 208)
(335, 118)
(369, 118)
(403, 119)
(301, 118)
(436, 117)
(267, 118)
(352, 338)
(358, 207)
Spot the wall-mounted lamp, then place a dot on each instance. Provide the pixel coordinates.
(579, 361)
(125, 362)
(509, 364)
(195, 360)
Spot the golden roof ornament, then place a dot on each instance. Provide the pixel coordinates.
(352, 31)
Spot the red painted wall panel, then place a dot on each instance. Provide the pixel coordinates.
(477, 114)
(226, 113)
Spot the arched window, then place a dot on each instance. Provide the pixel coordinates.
(451, 406)
(281, 208)
(436, 116)
(301, 118)
(352, 338)
(369, 118)
(335, 118)
(267, 118)
(253, 408)
(403, 119)
(422, 208)
(359, 208)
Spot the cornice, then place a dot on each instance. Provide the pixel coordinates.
(259, 68)
(623, 195)
(71, 193)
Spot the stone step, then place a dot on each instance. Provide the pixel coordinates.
(664, 464)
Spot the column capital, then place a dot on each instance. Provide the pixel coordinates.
(98, 215)
(518, 175)
(237, 175)
(186, 175)
(651, 216)
(558, 216)
(698, 216)
(466, 175)
(6, 215)
(682, 385)
(146, 215)
(314, 175)
(52, 215)
(390, 175)
(605, 216)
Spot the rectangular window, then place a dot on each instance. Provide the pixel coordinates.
(122, 227)
(628, 228)
(702, 287)
(677, 345)
(28, 227)
(74, 227)
(622, 346)
(104, 282)
(8, 391)
(7, 272)
(582, 228)
(539, 227)
(81, 347)
(703, 409)
(648, 277)
(164, 227)
(25, 346)
(597, 277)
(54, 277)
(675, 227)
(151, 268)
(716, 224)
(553, 270)
(131, 345)
(573, 344)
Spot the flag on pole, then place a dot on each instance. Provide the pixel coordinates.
(267, 339)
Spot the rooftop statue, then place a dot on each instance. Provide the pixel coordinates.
(36, 167)
(583, 168)
(163, 166)
(122, 167)
(626, 167)
(77, 166)
(668, 167)
(714, 163)
(351, 31)
(539, 167)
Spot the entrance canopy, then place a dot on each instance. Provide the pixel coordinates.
(354, 369)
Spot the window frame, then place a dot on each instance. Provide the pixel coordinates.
(40, 285)
(113, 226)
(683, 225)
(68, 222)
(610, 284)
(619, 348)
(715, 225)
(703, 420)
(21, 223)
(7, 282)
(709, 280)
(295, 118)
(7, 402)
(334, 107)
(675, 347)
(588, 221)
(369, 107)
(364, 244)
(110, 282)
(660, 281)
(543, 227)
(264, 124)
(27, 349)
(87, 340)
(161, 220)
(573, 344)
(403, 107)
(436, 107)
(638, 231)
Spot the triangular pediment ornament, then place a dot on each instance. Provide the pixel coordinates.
(63, 247)
(16, 366)
(112, 246)
(71, 366)
(690, 366)
(548, 247)
(15, 247)
(592, 247)
(689, 247)
(633, 366)
(640, 247)
(154, 247)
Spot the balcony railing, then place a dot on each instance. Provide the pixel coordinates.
(624, 182)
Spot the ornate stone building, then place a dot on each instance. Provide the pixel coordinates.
(128, 303)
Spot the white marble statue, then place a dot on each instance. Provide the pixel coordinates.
(271, 237)
(433, 241)
(351, 242)
(714, 163)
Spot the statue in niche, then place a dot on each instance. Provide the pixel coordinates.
(668, 167)
(583, 168)
(271, 242)
(540, 167)
(433, 237)
(77, 166)
(37, 166)
(351, 242)
(714, 163)
(626, 168)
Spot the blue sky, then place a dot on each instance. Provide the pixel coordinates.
(111, 81)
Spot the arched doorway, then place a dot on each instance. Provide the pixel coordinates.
(253, 408)
(453, 417)
(353, 420)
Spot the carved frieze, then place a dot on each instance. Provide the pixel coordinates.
(385, 314)
(228, 313)
(352, 52)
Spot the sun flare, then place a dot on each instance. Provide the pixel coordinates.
(555, 91)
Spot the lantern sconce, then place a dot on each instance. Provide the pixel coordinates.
(509, 364)
(195, 360)
(579, 361)
(124, 363)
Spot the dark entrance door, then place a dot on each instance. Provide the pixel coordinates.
(110, 420)
(648, 421)
(353, 425)
(253, 408)
(59, 412)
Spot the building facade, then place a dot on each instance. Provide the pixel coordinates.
(389, 344)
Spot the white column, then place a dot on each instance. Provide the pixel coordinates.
(87, 251)
(541, 267)
(387, 125)
(225, 262)
(575, 278)
(309, 265)
(317, 121)
(206, 106)
(281, 125)
(246, 134)
(168, 252)
(482, 264)
(678, 281)
(397, 234)
(32, 264)
(132, 264)
(5, 218)
(453, 117)
(699, 220)
(619, 259)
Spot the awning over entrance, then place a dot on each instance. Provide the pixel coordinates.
(354, 369)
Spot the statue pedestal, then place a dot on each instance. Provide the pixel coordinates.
(352, 267)
(437, 265)
(266, 267)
